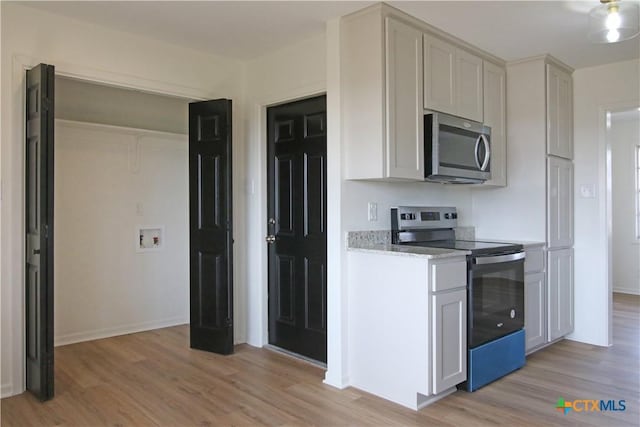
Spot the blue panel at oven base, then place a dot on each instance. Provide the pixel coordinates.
(495, 359)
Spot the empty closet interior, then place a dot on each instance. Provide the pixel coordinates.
(121, 211)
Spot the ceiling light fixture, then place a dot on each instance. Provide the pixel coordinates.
(613, 21)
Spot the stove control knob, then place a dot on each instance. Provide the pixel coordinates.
(447, 216)
(454, 215)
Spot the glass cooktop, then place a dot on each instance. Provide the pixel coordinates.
(476, 248)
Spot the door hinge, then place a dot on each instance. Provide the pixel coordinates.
(46, 231)
(228, 321)
(46, 104)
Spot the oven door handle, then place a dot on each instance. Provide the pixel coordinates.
(498, 258)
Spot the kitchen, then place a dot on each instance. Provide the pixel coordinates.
(348, 200)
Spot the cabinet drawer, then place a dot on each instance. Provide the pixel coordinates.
(534, 261)
(448, 275)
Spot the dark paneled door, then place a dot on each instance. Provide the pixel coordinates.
(39, 231)
(210, 226)
(297, 200)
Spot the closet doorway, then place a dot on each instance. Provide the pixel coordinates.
(120, 212)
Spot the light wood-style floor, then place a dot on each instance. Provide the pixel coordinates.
(153, 378)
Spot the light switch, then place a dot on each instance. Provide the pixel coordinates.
(372, 211)
(588, 191)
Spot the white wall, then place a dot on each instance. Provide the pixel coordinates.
(624, 137)
(357, 195)
(517, 211)
(596, 89)
(78, 49)
(108, 181)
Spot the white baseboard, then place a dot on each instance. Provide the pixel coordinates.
(117, 330)
(334, 381)
(627, 291)
(6, 390)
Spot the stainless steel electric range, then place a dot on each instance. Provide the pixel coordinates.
(495, 290)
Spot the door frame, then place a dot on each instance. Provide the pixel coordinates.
(15, 273)
(267, 215)
(261, 321)
(604, 144)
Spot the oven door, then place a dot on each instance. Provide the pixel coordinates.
(496, 297)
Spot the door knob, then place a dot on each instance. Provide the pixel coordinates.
(271, 239)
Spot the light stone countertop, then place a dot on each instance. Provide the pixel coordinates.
(414, 251)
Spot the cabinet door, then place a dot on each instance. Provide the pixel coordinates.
(560, 293)
(404, 113)
(495, 117)
(559, 113)
(468, 86)
(449, 334)
(535, 311)
(559, 202)
(534, 260)
(439, 75)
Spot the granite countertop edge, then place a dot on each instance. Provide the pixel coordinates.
(413, 251)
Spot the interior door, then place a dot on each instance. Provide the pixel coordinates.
(39, 230)
(297, 146)
(210, 226)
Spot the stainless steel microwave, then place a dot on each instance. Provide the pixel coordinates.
(456, 151)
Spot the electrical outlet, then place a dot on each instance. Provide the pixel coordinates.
(372, 211)
(588, 191)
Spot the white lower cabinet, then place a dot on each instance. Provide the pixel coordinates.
(407, 325)
(535, 311)
(449, 336)
(560, 292)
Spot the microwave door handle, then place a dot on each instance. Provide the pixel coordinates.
(487, 151)
(476, 153)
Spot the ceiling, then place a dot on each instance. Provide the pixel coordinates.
(247, 29)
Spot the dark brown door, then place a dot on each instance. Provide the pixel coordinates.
(297, 147)
(39, 231)
(210, 227)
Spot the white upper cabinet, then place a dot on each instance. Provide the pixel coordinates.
(559, 203)
(453, 81)
(469, 86)
(494, 96)
(383, 85)
(559, 113)
(439, 75)
(404, 115)
(382, 107)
